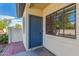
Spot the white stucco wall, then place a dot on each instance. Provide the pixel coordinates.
(15, 35)
(59, 45)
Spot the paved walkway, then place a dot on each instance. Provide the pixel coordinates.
(17, 49)
(13, 48)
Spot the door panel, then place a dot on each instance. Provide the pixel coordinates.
(35, 31)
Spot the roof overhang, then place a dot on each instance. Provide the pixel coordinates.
(20, 9)
(40, 6)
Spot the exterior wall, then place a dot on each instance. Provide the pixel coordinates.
(26, 13)
(25, 29)
(15, 35)
(59, 45)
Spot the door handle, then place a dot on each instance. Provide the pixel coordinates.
(40, 33)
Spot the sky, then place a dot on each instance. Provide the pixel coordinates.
(8, 10)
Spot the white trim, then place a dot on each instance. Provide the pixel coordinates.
(34, 48)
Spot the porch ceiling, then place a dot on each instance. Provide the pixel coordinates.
(39, 5)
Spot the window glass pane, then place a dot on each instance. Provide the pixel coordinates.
(54, 24)
(23, 24)
(69, 8)
(48, 25)
(60, 22)
(69, 23)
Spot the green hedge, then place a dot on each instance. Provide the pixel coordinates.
(4, 39)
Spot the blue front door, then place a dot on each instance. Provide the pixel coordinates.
(35, 31)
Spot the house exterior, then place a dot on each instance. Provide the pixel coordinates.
(59, 45)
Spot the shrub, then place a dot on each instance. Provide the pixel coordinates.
(4, 39)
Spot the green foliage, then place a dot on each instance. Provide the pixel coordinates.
(4, 38)
(58, 23)
(18, 26)
(2, 24)
(7, 21)
(66, 22)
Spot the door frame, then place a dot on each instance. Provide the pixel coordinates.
(29, 32)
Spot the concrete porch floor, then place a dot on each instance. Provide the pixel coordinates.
(37, 52)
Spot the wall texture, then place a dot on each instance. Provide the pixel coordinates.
(25, 29)
(26, 13)
(59, 45)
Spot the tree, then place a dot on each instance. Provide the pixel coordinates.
(18, 26)
(67, 22)
(7, 21)
(4, 23)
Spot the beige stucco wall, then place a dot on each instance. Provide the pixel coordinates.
(60, 45)
(57, 45)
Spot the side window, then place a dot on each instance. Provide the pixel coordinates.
(70, 21)
(62, 22)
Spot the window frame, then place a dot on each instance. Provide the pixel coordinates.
(63, 12)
